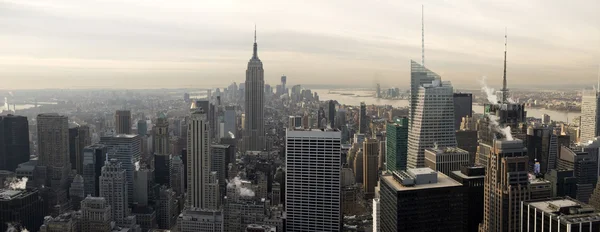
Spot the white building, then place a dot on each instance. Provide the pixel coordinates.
(113, 188)
(589, 116)
(376, 215)
(433, 123)
(198, 159)
(313, 180)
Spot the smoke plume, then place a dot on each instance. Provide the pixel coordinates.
(137, 165)
(237, 183)
(16, 183)
(490, 93)
(15, 228)
(495, 125)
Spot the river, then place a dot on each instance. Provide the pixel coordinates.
(369, 99)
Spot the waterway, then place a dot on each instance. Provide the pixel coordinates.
(368, 98)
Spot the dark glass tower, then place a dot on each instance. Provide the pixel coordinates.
(14, 141)
(397, 144)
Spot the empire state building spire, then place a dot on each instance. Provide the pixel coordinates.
(255, 54)
(254, 132)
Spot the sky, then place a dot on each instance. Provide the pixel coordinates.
(132, 44)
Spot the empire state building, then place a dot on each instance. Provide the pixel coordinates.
(254, 133)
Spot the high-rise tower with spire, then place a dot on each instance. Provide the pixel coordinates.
(254, 133)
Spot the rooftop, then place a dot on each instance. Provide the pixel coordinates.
(443, 181)
(568, 210)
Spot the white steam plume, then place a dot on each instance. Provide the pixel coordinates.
(489, 92)
(237, 183)
(15, 228)
(137, 165)
(231, 134)
(495, 124)
(16, 183)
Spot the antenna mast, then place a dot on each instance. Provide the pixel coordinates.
(423, 35)
(504, 89)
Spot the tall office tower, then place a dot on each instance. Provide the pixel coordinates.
(142, 127)
(198, 158)
(463, 106)
(302, 190)
(123, 122)
(95, 215)
(421, 200)
(219, 156)
(76, 192)
(212, 193)
(24, 207)
(283, 82)
(472, 178)
(506, 184)
(127, 150)
(590, 118)
(53, 159)
(542, 146)
(230, 120)
(321, 118)
(340, 118)
(370, 166)
(433, 122)
(419, 75)
(177, 175)
(358, 167)
(141, 185)
(545, 119)
(162, 168)
(376, 214)
(540, 188)
(467, 140)
(363, 120)
(114, 188)
(558, 214)
(200, 220)
(447, 159)
(167, 211)
(14, 141)
(397, 144)
(254, 133)
(161, 136)
(563, 183)
(585, 168)
(79, 138)
(381, 156)
(332, 113)
(93, 160)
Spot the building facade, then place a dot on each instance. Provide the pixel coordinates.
(254, 131)
(127, 149)
(446, 159)
(198, 158)
(589, 123)
(123, 122)
(397, 144)
(14, 141)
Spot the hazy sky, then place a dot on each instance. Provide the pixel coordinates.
(200, 43)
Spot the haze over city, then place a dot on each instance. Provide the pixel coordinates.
(171, 44)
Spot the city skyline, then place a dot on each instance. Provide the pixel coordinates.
(189, 44)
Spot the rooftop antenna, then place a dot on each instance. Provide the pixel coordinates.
(598, 89)
(255, 55)
(423, 35)
(504, 89)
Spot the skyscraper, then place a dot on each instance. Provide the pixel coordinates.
(254, 133)
(14, 141)
(79, 138)
(76, 192)
(397, 144)
(472, 178)
(463, 106)
(161, 136)
(585, 168)
(542, 146)
(53, 165)
(419, 75)
(370, 166)
(421, 200)
(198, 159)
(313, 181)
(332, 113)
(123, 121)
(363, 120)
(446, 160)
(127, 150)
(506, 185)
(142, 127)
(93, 160)
(590, 118)
(433, 121)
(558, 214)
(230, 121)
(25, 207)
(113, 188)
(177, 176)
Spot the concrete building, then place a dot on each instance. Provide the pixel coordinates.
(126, 148)
(331, 111)
(76, 192)
(363, 119)
(167, 211)
(467, 140)
(219, 155)
(198, 158)
(230, 120)
(540, 189)
(113, 188)
(14, 141)
(254, 132)
(313, 174)
(61, 223)
(260, 228)
(558, 214)
(563, 183)
(589, 123)
(463, 107)
(397, 144)
(79, 138)
(123, 122)
(93, 160)
(177, 175)
(506, 184)
(193, 220)
(95, 215)
(53, 166)
(24, 207)
(370, 166)
(446, 159)
(161, 137)
(433, 121)
(543, 147)
(421, 200)
(376, 214)
(240, 213)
